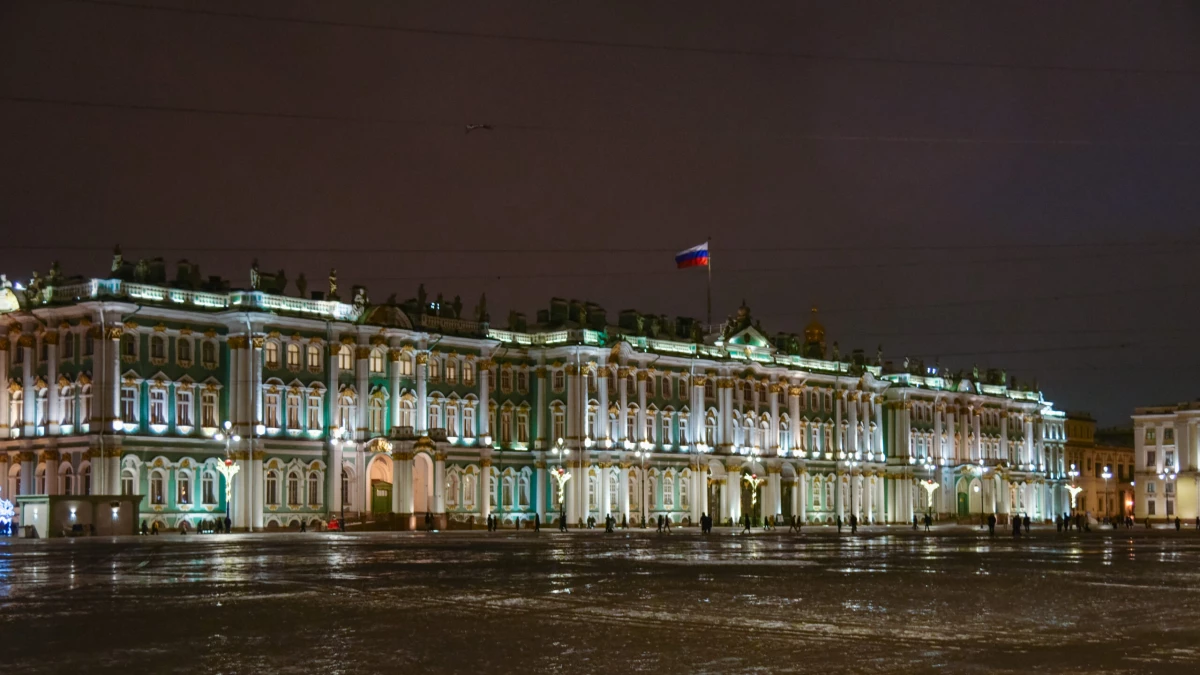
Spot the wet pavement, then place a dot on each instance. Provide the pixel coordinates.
(888, 600)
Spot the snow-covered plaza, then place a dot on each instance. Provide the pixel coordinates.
(886, 600)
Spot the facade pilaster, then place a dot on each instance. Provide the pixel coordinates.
(393, 358)
(362, 384)
(602, 427)
(622, 406)
(543, 412)
(773, 391)
(421, 423)
(53, 404)
(28, 373)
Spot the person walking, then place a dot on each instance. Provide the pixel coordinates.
(853, 523)
(145, 528)
(928, 521)
(839, 524)
(228, 524)
(428, 521)
(1177, 523)
(667, 524)
(992, 525)
(303, 526)
(915, 523)
(562, 521)
(537, 522)
(746, 524)
(1025, 522)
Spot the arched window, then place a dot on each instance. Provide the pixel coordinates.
(376, 361)
(68, 346)
(816, 492)
(406, 413)
(345, 487)
(614, 487)
(85, 480)
(271, 354)
(129, 346)
(314, 489)
(293, 489)
(506, 427)
(313, 353)
(346, 407)
(508, 491)
(523, 490)
(128, 482)
(669, 492)
(506, 380)
(468, 430)
(710, 430)
(272, 488)
(208, 488)
(183, 351)
(293, 356)
(158, 348)
(451, 370)
(344, 358)
(452, 487)
(68, 480)
(208, 354)
(158, 491)
(468, 374)
(183, 487)
(469, 491)
(593, 493)
(375, 418)
(685, 492)
(492, 491)
(635, 495)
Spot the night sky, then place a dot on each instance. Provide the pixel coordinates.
(1010, 188)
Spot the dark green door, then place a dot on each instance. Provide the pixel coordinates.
(964, 504)
(381, 497)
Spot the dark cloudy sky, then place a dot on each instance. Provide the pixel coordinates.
(1014, 187)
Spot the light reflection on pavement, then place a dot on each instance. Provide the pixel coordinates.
(887, 601)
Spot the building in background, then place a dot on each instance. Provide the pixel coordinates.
(1105, 468)
(141, 384)
(1166, 441)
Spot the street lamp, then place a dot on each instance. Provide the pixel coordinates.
(980, 471)
(228, 468)
(1073, 489)
(340, 436)
(1107, 502)
(643, 455)
(561, 476)
(930, 485)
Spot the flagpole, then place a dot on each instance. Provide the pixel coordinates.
(708, 316)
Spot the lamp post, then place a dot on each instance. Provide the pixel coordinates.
(1072, 488)
(929, 486)
(561, 476)
(1168, 474)
(979, 472)
(1107, 501)
(643, 455)
(228, 468)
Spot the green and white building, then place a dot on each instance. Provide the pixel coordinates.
(140, 384)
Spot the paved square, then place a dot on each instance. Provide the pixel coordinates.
(888, 600)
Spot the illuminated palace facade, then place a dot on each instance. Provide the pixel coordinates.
(136, 384)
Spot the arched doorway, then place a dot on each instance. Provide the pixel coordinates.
(964, 501)
(379, 477)
(422, 484)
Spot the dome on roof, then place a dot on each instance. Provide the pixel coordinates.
(388, 316)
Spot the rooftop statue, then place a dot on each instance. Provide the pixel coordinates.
(255, 279)
(422, 298)
(117, 261)
(333, 283)
(302, 285)
(457, 307)
(55, 276)
(481, 313)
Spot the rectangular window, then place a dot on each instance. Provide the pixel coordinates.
(522, 382)
(208, 491)
(560, 424)
(314, 358)
(314, 412)
(522, 428)
(405, 365)
(1150, 507)
(1150, 487)
(559, 382)
(683, 388)
(451, 371)
(435, 369)
(1150, 436)
(293, 412)
(158, 406)
(1169, 459)
(665, 439)
(1151, 459)
(1169, 488)
(1169, 435)
(208, 409)
(183, 408)
(129, 405)
(271, 403)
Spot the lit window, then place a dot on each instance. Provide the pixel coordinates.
(451, 370)
(271, 413)
(314, 489)
(129, 405)
(405, 364)
(183, 408)
(314, 358)
(208, 354)
(208, 491)
(345, 360)
(208, 409)
(272, 354)
(314, 412)
(293, 356)
(183, 483)
(183, 351)
(435, 368)
(376, 361)
(293, 411)
(158, 406)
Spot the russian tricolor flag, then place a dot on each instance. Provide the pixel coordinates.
(696, 256)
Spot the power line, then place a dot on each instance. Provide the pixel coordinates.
(647, 47)
(658, 133)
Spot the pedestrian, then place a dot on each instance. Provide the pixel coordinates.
(1198, 522)
(915, 523)
(428, 521)
(1058, 522)
(1016, 526)
(928, 521)
(624, 521)
(537, 522)
(853, 523)
(1025, 522)
(667, 524)
(562, 521)
(183, 528)
(992, 525)
(228, 524)
(145, 528)
(1147, 522)
(154, 528)
(1177, 523)
(839, 524)
(746, 521)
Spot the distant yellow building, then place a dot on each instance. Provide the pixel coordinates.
(1166, 441)
(1105, 470)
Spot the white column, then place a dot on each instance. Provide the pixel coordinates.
(868, 497)
(543, 499)
(485, 488)
(51, 459)
(602, 430)
(542, 413)
(696, 414)
(256, 381)
(794, 413)
(484, 416)
(604, 498)
(976, 415)
(394, 356)
(622, 406)
(773, 402)
(1004, 434)
(333, 476)
(362, 382)
(878, 417)
(852, 431)
(28, 371)
(623, 491)
(439, 484)
(1027, 450)
(421, 423)
(951, 437)
(802, 488)
(5, 347)
(53, 405)
(257, 486)
(773, 482)
(331, 401)
(640, 432)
